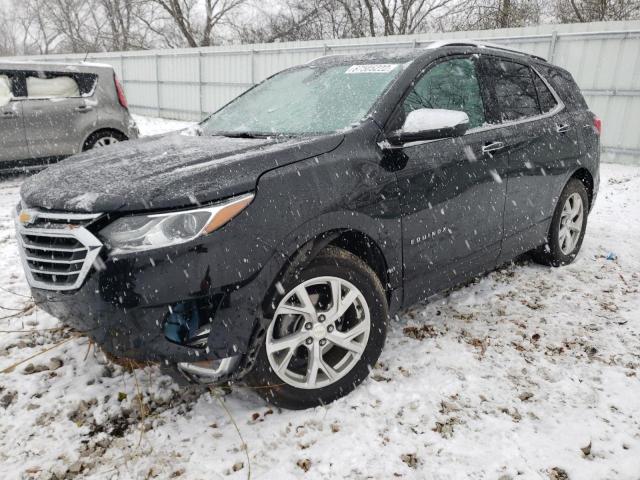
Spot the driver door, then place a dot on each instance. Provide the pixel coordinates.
(452, 189)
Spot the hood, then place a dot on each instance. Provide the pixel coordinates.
(170, 171)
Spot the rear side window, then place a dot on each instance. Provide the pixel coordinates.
(547, 100)
(564, 84)
(57, 85)
(514, 89)
(450, 85)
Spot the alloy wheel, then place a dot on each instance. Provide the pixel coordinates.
(105, 141)
(319, 332)
(571, 220)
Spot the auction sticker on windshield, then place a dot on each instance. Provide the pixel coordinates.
(374, 68)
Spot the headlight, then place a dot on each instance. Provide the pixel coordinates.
(146, 232)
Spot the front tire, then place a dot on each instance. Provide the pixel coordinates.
(327, 332)
(568, 226)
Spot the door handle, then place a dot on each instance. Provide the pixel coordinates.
(492, 147)
(84, 108)
(9, 114)
(563, 127)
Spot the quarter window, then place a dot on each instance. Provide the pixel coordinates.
(545, 97)
(450, 85)
(565, 86)
(514, 90)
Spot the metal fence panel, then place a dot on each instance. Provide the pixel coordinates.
(186, 84)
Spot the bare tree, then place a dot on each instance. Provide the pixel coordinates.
(48, 26)
(569, 11)
(125, 24)
(321, 19)
(395, 17)
(41, 31)
(52, 26)
(196, 19)
(490, 14)
(8, 44)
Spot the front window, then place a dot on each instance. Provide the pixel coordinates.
(307, 100)
(450, 85)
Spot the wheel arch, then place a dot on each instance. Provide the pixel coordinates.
(364, 247)
(584, 175)
(354, 241)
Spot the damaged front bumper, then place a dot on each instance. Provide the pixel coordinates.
(175, 307)
(209, 371)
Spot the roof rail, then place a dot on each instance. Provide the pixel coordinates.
(480, 44)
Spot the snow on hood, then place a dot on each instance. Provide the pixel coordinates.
(160, 172)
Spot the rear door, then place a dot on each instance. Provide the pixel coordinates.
(56, 114)
(452, 190)
(576, 110)
(541, 143)
(13, 143)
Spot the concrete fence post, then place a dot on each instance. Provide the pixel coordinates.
(252, 71)
(552, 46)
(157, 67)
(200, 86)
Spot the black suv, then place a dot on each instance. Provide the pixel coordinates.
(273, 242)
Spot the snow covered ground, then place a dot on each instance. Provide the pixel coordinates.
(527, 373)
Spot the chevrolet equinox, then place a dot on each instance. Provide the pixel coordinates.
(272, 242)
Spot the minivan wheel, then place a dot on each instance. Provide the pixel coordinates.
(103, 138)
(326, 333)
(568, 227)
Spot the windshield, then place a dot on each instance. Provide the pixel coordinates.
(305, 101)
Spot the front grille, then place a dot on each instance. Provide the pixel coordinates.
(57, 249)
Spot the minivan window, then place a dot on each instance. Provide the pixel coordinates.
(545, 97)
(5, 90)
(514, 89)
(56, 87)
(305, 100)
(450, 85)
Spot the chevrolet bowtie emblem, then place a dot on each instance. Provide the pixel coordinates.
(26, 218)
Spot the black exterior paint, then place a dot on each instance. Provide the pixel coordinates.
(439, 212)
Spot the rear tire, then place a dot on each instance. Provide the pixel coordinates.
(330, 345)
(568, 226)
(103, 138)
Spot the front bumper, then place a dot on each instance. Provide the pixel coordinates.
(133, 132)
(128, 315)
(173, 306)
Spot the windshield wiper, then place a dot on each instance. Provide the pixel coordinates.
(241, 134)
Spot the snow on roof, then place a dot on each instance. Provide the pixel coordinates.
(44, 63)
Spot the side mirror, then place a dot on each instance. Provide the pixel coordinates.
(430, 124)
